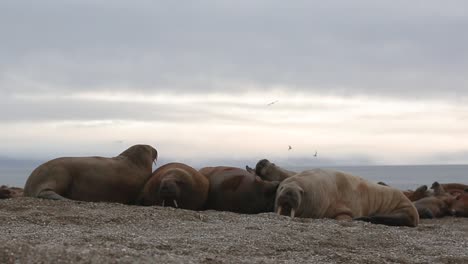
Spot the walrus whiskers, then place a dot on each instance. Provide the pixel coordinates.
(175, 203)
(293, 212)
(279, 210)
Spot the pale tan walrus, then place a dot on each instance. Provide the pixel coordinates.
(95, 179)
(321, 193)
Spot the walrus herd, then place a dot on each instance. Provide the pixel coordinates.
(318, 193)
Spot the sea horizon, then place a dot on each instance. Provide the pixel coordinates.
(405, 176)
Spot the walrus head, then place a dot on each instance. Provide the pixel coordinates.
(269, 171)
(175, 188)
(288, 199)
(141, 155)
(438, 189)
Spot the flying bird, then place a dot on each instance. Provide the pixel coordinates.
(315, 155)
(274, 102)
(289, 148)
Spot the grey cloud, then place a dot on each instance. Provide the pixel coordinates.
(394, 48)
(84, 110)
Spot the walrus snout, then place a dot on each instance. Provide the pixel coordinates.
(287, 202)
(169, 190)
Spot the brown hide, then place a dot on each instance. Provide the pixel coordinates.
(437, 204)
(237, 190)
(95, 179)
(177, 185)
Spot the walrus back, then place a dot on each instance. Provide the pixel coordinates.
(38, 179)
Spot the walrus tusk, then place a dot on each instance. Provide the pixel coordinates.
(279, 210)
(163, 203)
(293, 212)
(175, 203)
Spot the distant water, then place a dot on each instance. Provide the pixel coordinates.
(409, 176)
(15, 176)
(403, 177)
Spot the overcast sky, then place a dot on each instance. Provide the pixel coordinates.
(361, 82)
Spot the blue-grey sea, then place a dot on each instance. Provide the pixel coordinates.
(403, 177)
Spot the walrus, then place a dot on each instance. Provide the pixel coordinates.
(420, 192)
(10, 192)
(459, 206)
(326, 193)
(94, 179)
(270, 172)
(454, 186)
(237, 190)
(437, 205)
(176, 185)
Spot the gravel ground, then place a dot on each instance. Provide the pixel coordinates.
(43, 231)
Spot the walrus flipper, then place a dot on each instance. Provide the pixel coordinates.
(49, 194)
(390, 220)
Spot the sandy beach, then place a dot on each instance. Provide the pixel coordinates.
(43, 231)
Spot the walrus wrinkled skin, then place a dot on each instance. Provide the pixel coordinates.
(176, 185)
(321, 193)
(94, 179)
(237, 190)
(10, 192)
(436, 205)
(270, 172)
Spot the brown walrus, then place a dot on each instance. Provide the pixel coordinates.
(436, 205)
(10, 192)
(459, 206)
(95, 179)
(322, 193)
(270, 172)
(177, 185)
(237, 190)
(454, 186)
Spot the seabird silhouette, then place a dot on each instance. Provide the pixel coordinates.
(272, 103)
(289, 148)
(315, 155)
